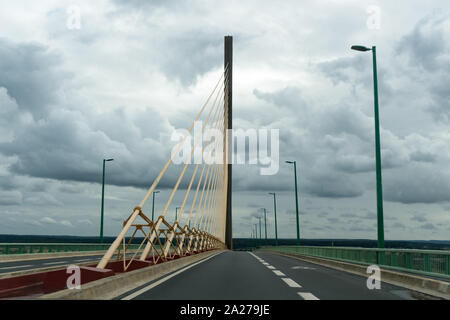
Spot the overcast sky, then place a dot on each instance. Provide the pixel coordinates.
(136, 70)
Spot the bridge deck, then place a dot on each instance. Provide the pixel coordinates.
(242, 276)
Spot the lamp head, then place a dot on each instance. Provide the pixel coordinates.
(360, 48)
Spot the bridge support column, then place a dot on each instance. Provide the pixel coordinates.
(229, 126)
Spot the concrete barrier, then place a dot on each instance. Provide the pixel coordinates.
(111, 287)
(428, 286)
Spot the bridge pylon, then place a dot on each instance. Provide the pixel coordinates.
(206, 185)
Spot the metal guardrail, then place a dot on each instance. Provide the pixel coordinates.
(27, 248)
(427, 262)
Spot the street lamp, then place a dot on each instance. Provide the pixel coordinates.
(275, 211)
(103, 199)
(296, 200)
(265, 225)
(380, 222)
(260, 233)
(153, 206)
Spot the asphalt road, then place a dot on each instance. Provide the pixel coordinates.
(261, 276)
(13, 266)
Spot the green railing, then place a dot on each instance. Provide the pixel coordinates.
(428, 262)
(27, 248)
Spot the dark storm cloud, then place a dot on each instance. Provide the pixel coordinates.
(426, 43)
(426, 48)
(31, 73)
(417, 185)
(185, 53)
(418, 218)
(428, 226)
(10, 198)
(190, 55)
(441, 97)
(289, 97)
(356, 70)
(332, 138)
(420, 156)
(398, 225)
(334, 185)
(65, 144)
(8, 183)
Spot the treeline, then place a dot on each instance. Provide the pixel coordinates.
(241, 243)
(362, 243)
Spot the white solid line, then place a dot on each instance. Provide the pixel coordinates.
(266, 264)
(279, 273)
(157, 283)
(255, 256)
(307, 296)
(259, 259)
(291, 283)
(271, 267)
(50, 263)
(85, 260)
(16, 267)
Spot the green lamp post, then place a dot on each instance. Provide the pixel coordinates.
(275, 212)
(296, 200)
(380, 219)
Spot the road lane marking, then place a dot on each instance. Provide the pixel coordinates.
(266, 264)
(50, 263)
(307, 296)
(85, 260)
(303, 268)
(271, 267)
(15, 267)
(291, 283)
(157, 283)
(279, 273)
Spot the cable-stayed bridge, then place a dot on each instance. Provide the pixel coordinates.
(190, 257)
(210, 208)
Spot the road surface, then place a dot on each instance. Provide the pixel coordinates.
(261, 276)
(13, 266)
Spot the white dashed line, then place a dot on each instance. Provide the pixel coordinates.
(291, 283)
(279, 273)
(307, 296)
